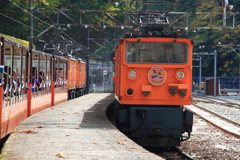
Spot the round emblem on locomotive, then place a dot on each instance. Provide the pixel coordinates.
(157, 75)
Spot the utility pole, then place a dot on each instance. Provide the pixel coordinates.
(30, 40)
(31, 26)
(200, 73)
(87, 61)
(224, 17)
(29, 57)
(215, 73)
(225, 5)
(200, 69)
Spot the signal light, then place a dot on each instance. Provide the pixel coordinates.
(112, 57)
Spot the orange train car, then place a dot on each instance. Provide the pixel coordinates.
(33, 81)
(82, 77)
(152, 82)
(76, 77)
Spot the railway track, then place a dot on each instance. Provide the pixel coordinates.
(225, 108)
(216, 101)
(170, 153)
(221, 113)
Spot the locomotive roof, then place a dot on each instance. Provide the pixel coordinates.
(129, 35)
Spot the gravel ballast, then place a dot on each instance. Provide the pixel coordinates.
(209, 142)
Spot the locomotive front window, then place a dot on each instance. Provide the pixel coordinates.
(157, 52)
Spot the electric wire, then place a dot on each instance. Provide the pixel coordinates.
(18, 21)
(25, 25)
(47, 24)
(29, 13)
(29, 26)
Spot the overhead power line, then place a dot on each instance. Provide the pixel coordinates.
(24, 24)
(47, 24)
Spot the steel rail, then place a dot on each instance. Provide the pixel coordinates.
(228, 103)
(216, 114)
(214, 124)
(172, 153)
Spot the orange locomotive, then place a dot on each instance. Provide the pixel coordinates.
(143, 75)
(153, 80)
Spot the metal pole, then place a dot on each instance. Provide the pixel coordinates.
(87, 67)
(31, 26)
(114, 38)
(224, 16)
(30, 40)
(2, 51)
(29, 59)
(103, 83)
(215, 72)
(233, 20)
(239, 74)
(200, 73)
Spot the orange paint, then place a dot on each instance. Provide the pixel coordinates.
(29, 99)
(76, 74)
(15, 109)
(12, 116)
(72, 78)
(152, 77)
(82, 75)
(1, 93)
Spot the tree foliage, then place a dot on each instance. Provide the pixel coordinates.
(14, 21)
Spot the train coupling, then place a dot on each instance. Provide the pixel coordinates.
(184, 138)
(156, 128)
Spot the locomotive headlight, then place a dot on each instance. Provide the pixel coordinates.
(180, 75)
(132, 74)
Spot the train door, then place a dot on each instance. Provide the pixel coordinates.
(118, 57)
(60, 91)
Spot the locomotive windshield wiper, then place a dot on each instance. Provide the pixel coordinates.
(177, 45)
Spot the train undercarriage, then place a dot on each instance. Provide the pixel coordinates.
(153, 126)
(74, 93)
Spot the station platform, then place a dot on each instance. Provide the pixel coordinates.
(75, 130)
